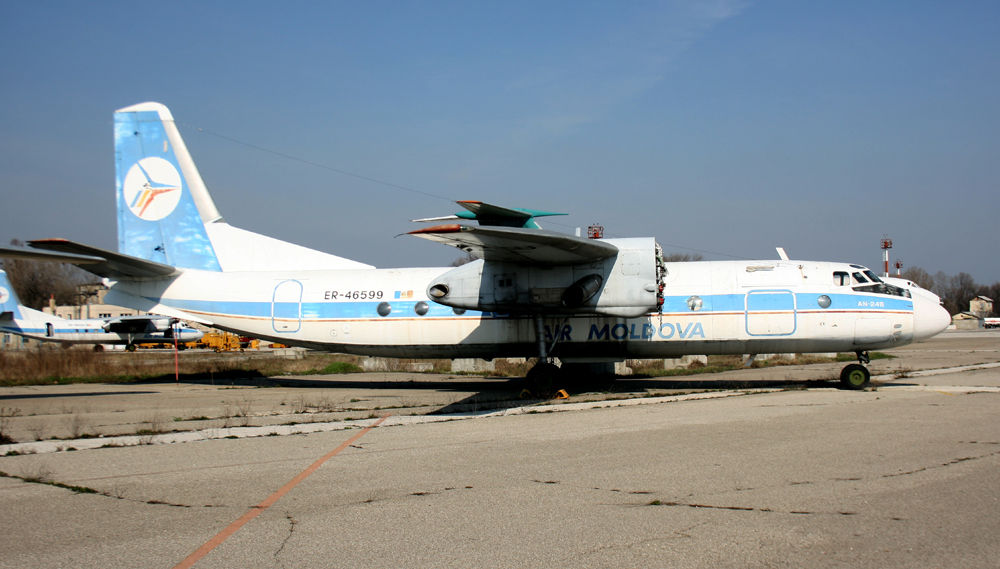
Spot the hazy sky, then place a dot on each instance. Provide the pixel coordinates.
(723, 128)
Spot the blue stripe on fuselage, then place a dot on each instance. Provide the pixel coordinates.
(711, 304)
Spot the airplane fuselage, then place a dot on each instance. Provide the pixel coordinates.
(717, 307)
(47, 328)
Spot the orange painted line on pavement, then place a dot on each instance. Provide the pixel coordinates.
(255, 511)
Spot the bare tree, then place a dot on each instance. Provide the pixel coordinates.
(955, 291)
(961, 289)
(922, 278)
(37, 281)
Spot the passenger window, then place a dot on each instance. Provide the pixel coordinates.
(841, 278)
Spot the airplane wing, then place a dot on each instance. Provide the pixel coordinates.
(135, 324)
(101, 262)
(519, 245)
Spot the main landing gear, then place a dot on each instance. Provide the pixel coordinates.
(856, 376)
(541, 378)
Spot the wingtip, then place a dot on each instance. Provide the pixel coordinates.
(450, 228)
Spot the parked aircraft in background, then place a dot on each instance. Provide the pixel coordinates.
(532, 292)
(128, 330)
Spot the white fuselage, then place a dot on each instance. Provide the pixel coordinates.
(46, 327)
(718, 307)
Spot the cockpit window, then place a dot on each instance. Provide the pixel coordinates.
(873, 283)
(840, 278)
(872, 276)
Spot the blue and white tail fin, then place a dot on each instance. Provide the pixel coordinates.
(166, 215)
(156, 183)
(8, 298)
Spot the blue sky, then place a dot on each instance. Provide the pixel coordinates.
(723, 128)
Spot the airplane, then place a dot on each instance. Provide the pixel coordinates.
(585, 303)
(128, 330)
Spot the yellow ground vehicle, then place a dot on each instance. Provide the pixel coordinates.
(220, 342)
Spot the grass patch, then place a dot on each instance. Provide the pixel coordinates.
(77, 365)
(340, 367)
(872, 355)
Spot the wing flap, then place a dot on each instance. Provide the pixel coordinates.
(518, 245)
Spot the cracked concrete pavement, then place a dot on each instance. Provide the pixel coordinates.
(901, 476)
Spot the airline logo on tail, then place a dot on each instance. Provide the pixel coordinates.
(4, 295)
(152, 188)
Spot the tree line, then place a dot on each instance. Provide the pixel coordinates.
(955, 290)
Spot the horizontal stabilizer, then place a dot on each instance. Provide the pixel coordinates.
(12, 252)
(519, 245)
(100, 262)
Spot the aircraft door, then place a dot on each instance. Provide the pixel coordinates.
(770, 313)
(286, 307)
(504, 288)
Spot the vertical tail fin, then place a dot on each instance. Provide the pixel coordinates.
(163, 204)
(166, 215)
(8, 298)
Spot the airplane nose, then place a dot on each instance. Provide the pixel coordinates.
(929, 317)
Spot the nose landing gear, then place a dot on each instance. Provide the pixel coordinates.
(856, 376)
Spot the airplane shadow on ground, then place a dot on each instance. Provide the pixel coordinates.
(345, 381)
(496, 393)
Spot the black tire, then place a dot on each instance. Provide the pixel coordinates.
(854, 377)
(541, 379)
(130, 348)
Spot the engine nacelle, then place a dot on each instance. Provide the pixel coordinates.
(624, 285)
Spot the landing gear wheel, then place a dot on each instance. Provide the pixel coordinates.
(130, 348)
(855, 376)
(541, 378)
